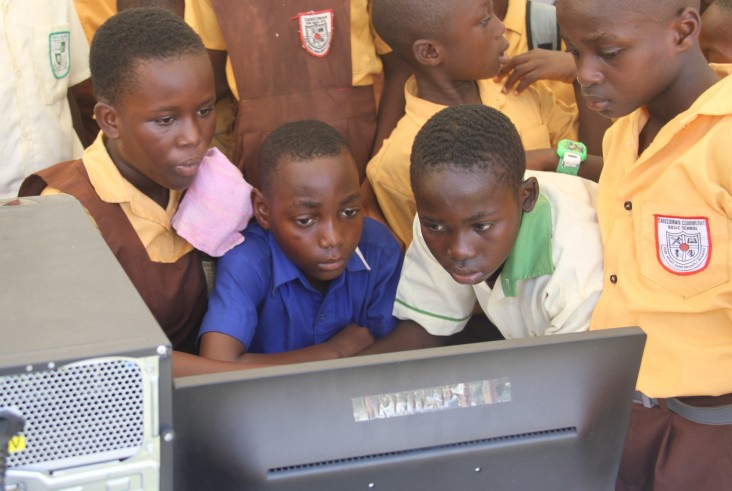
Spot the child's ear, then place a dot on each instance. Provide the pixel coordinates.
(687, 26)
(529, 193)
(426, 53)
(261, 208)
(107, 119)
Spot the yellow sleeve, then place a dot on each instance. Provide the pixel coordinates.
(561, 119)
(199, 14)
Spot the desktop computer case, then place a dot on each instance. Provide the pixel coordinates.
(81, 357)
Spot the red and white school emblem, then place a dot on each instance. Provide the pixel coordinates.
(683, 243)
(316, 31)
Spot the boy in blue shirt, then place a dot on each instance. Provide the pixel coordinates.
(313, 279)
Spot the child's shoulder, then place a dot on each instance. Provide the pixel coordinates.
(566, 194)
(255, 248)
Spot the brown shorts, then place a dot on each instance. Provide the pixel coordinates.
(666, 452)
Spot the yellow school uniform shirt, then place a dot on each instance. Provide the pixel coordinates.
(665, 218)
(93, 13)
(518, 42)
(365, 61)
(540, 120)
(150, 221)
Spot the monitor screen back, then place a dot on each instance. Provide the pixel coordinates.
(544, 413)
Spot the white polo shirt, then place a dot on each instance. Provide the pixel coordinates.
(43, 52)
(549, 284)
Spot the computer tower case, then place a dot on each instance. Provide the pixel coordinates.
(81, 357)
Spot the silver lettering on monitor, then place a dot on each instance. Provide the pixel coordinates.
(430, 399)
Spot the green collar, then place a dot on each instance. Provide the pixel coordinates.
(531, 256)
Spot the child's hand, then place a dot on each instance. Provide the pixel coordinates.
(537, 64)
(350, 340)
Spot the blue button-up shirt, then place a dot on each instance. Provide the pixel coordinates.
(263, 300)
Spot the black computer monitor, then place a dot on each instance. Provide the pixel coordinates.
(545, 413)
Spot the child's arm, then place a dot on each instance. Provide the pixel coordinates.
(534, 65)
(391, 101)
(347, 342)
(408, 335)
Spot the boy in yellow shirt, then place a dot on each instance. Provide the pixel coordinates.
(455, 49)
(665, 212)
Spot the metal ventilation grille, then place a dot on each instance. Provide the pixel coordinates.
(93, 408)
(519, 438)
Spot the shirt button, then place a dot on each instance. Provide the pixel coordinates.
(613, 279)
(628, 205)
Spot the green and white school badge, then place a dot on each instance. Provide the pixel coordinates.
(59, 52)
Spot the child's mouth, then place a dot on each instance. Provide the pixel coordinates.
(188, 169)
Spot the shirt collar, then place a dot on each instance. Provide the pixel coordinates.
(112, 187)
(420, 110)
(284, 270)
(713, 102)
(531, 256)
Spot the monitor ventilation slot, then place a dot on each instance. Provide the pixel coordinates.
(315, 466)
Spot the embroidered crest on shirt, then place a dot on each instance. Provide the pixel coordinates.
(316, 31)
(59, 51)
(683, 244)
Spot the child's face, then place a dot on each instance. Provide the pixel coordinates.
(716, 34)
(625, 59)
(313, 210)
(470, 221)
(164, 124)
(473, 46)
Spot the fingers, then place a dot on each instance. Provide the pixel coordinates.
(521, 77)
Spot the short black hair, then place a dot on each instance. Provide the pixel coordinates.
(299, 141)
(130, 37)
(724, 4)
(401, 22)
(472, 138)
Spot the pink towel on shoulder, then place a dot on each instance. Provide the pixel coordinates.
(216, 207)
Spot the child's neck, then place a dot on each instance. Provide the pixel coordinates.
(159, 194)
(448, 93)
(691, 83)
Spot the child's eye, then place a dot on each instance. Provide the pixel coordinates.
(350, 212)
(304, 221)
(609, 55)
(434, 227)
(205, 111)
(482, 227)
(165, 120)
(486, 21)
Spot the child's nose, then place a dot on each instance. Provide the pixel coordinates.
(190, 133)
(330, 234)
(587, 72)
(461, 249)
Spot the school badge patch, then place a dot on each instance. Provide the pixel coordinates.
(59, 51)
(683, 243)
(316, 31)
